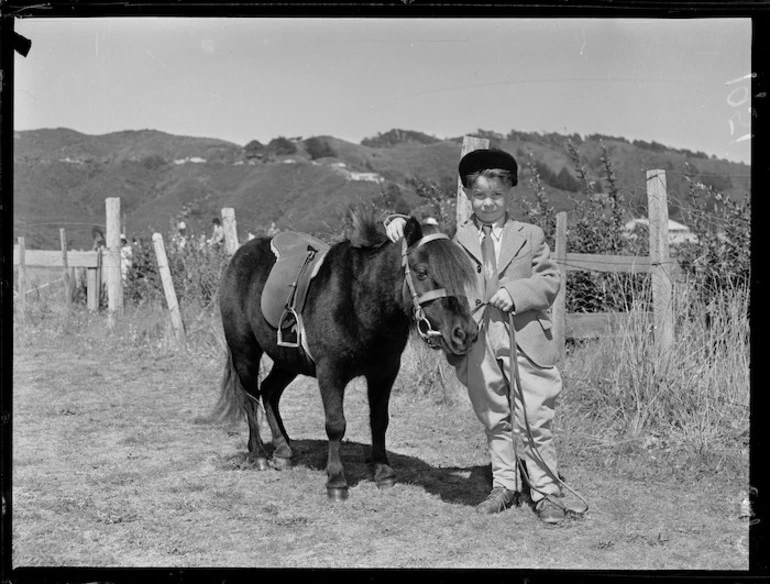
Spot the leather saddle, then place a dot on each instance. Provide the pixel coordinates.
(298, 257)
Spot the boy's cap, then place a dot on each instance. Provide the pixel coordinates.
(478, 160)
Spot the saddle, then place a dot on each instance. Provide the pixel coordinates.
(298, 257)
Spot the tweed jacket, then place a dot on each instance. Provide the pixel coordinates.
(526, 270)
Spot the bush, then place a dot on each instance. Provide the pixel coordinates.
(195, 271)
(254, 149)
(281, 146)
(396, 136)
(720, 259)
(318, 148)
(153, 161)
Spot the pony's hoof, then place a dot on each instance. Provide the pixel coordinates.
(337, 493)
(260, 463)
(385, 484)
(281, 463)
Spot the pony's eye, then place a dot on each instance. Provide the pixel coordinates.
(422, 272)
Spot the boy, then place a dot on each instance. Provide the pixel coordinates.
(515, 275)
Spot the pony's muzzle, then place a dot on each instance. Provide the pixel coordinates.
(462, 337)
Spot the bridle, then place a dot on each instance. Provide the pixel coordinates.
(424, 328)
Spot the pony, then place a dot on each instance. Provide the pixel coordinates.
(367, 296)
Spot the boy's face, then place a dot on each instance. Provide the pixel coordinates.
(489, 198)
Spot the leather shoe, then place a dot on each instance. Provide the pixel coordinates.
(499, 499)
(549, 512)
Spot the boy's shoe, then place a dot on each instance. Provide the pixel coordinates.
(499, 499)
(549, 512)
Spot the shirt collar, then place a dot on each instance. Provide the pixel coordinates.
(497, 226)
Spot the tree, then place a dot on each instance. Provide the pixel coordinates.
(254, 149)
(318, 148)
(281, 146)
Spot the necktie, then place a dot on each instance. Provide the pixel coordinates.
(490, 264)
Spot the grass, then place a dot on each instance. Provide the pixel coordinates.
(116, 464)
(697, 395)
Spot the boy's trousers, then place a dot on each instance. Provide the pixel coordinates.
(484, 372)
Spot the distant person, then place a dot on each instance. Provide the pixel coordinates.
(126, 257)
(218, 235)
(180, 237)
(517, 280)
(99, 240)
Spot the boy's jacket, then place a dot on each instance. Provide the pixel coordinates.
(529, 275)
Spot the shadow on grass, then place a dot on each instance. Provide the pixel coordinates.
(455, 484)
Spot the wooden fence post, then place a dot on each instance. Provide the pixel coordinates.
(657, 205)
(463, 205)
(168, 286)
(22, 276)
(231, 232)
(560, 304)
(112, 261)
(94, 283)
(67, 282)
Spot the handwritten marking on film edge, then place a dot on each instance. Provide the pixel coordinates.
(737, 98)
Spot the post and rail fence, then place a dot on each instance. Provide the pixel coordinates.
(565, 325)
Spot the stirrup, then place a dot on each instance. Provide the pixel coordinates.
(289, 312)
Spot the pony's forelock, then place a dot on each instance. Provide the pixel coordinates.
(450, 266)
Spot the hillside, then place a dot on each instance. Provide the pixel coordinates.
(62, 177)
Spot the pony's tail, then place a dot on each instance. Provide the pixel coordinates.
(234, 402)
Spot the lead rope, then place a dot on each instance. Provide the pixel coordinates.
(534, 449)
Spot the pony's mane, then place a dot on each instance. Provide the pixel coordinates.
(447, 262)
(364, 229)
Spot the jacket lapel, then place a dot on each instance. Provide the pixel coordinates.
(512, 242)
(468, 236)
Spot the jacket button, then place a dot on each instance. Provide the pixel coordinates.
(478, 302)
(478, 269)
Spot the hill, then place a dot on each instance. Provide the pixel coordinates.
(62, 178)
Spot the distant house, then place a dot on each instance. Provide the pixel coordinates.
(193, 159)
(677, 232)
(366, 176)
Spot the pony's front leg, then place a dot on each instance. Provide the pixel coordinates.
(332, 392)
(379, 397)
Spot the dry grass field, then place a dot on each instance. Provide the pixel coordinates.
(117, 465)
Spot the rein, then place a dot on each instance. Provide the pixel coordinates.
(424, 328)
(513, 376)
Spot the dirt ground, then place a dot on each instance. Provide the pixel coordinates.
(116, 465)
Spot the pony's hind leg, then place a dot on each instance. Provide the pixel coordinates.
(272, 388)
(247, 369)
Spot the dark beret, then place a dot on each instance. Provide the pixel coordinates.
(479, 160)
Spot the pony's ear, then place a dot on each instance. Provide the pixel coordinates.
(412, 231)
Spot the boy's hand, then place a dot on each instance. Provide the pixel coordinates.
(502, 300)
(395, 229)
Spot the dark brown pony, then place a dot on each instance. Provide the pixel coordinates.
(357, 318)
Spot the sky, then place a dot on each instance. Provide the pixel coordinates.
(683, 83)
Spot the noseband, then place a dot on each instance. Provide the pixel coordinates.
(424, 328)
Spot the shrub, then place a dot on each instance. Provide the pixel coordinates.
(318, 148)
(396, 136)
(281, 146)
(720, 259)
(195, 271)
(153, 161)
(254, 149)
